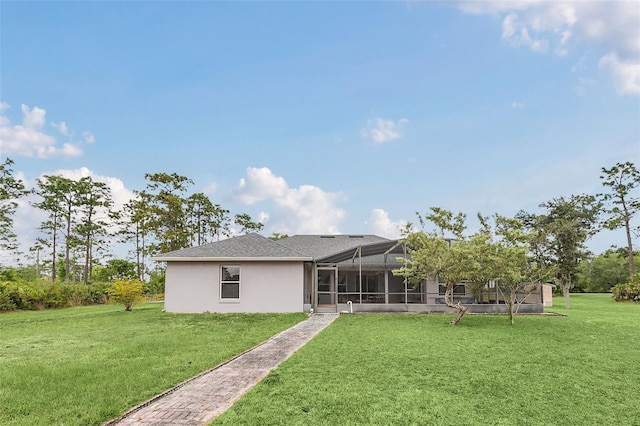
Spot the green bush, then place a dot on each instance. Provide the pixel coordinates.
(97, 293)
(55, 296)
(155, 285)
(8, 296)
(628, 291)
(40, 294)
(13, 296)
(36, 296)
(74, 293)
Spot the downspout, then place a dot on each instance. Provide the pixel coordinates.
(406, 295)
(386, 281)
(360, 270)
(314, 287)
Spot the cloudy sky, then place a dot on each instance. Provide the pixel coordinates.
(325, 117)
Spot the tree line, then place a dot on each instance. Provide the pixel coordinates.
(81, 223)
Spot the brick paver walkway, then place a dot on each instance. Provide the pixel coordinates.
(200, 400)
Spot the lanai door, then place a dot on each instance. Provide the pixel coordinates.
(327, 278)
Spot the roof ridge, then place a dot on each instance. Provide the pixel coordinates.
(285, 247)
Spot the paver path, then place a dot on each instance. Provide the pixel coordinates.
(200, 400)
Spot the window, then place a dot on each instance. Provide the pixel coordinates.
(230, 282)
(458, 290)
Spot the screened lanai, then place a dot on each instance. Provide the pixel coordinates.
(361, 279)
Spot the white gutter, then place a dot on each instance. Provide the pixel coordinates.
(231, 259)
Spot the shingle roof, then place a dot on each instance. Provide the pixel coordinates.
(244, 247)
(323, 248)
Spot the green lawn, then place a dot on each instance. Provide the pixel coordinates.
(383, 369)
(82, 366)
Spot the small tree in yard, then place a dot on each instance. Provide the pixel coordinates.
(516, 273)
(127, 292)
(433, 256)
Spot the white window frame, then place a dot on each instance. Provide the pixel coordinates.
(223, 282)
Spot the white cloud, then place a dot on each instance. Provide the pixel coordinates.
(259, 184)
(303, 210)
(3, 107)
(263, 217)
(62, 128)
(612, 26)
(380, 224)
(33, 118)
(30, 139)
(518, 35)
(310, 210)
(88, 138)
(517, 105)
(381, 130)
(625, 75)
(580, 65)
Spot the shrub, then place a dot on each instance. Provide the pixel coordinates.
(127, 292)
(73, 293)
(155, 286)
(8, 296)
(97, 293)
(36, 295)
(629, 291)
(13, 295)
(55, 296)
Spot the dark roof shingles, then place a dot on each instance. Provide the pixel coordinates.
(319, 246)
(244, 246)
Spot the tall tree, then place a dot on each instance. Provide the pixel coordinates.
(164, 196)
(11, 189)
(621, 204)
(68, 193)
(134, 222)
(558, 236)
(50, 203)
(94, 203)
(206, 219)
(247, 224)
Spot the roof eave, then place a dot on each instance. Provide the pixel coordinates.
(231, 259)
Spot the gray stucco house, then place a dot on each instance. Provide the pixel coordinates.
(305, 273)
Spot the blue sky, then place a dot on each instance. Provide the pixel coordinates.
(325, 117)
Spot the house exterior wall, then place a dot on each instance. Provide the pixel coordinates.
(193, 287)
(547, 294)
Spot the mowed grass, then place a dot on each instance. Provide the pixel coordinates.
(83, 366)
(385, 369)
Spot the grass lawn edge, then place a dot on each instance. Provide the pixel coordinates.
(171, 390)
